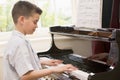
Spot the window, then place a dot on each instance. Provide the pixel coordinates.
(5, 18)
(55, 12)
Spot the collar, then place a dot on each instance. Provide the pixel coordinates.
(19, 34)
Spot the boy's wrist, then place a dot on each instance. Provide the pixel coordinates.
(51, 70)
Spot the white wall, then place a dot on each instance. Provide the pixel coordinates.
(79, 46)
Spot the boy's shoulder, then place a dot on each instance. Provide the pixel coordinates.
(16, 40)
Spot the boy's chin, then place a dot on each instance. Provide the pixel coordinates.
(30, 33)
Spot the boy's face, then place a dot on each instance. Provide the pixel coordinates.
(30, 24)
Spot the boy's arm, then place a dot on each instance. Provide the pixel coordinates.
(35, 74)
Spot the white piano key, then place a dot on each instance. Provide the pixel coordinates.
(80, 74)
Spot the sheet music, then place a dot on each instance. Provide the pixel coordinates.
(89, 13)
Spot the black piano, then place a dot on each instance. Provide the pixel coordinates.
(100, 71)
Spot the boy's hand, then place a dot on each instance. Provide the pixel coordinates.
(51, 62)
(63, 68)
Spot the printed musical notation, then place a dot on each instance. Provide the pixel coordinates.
(89, 13)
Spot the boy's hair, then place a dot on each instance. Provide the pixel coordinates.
(24, 8)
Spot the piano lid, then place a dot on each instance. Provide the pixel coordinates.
(103, 34)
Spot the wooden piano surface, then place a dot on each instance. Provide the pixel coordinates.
(84, 33)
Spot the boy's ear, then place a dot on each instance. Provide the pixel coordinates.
(21, 19)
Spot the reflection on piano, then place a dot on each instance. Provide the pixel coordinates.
(88, 69)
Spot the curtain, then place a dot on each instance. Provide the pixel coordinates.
(115, 15)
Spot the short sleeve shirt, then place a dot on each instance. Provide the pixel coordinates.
(19, 57)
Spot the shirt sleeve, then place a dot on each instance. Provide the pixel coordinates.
(21, 60)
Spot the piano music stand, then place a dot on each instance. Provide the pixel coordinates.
(113, 74)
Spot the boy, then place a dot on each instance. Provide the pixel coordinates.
(21, 63)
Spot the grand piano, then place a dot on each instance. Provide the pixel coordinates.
(88, 69)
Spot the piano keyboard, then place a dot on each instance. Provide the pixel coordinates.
(86, 67)
(80, 74)
(74, 75)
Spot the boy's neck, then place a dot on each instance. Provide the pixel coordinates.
(20, 29)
